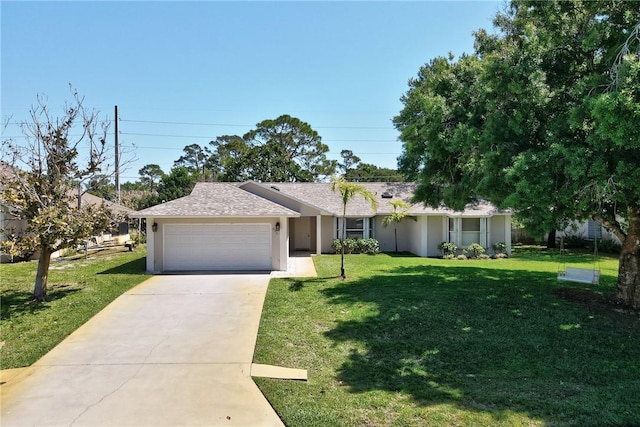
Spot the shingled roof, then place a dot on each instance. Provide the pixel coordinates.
(8, 174)
(237, 200)
(217, 200)
(90, 199)
(319, 195)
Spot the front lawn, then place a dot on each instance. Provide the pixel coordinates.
(77, 291)
(414, 341)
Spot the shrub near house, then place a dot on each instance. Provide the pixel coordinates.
(448, 249)
(475, 250)
(368, 246)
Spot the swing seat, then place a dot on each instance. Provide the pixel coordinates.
(580, 275)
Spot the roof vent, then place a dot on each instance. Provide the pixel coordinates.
(275, 188)
(387, 195)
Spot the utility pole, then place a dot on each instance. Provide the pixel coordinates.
(117, 157)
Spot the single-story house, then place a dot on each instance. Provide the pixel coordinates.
(588, 230)
(255, 226)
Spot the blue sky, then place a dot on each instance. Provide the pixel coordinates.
(186, 72)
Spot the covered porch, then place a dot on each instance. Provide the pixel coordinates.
(305, 235)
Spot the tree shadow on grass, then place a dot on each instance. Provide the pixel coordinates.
(568, 256)
(491, 340)
(16, 303)
(137, 266)
(298, 284)
(400, 254)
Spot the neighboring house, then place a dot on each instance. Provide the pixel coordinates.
(9, 220)
(120, 213)
(255, 226)
(588, 230)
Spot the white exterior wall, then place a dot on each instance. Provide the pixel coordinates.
(328, 233)
(279, 240)
(435, 234)
(492, 230)
(280, 245)
(420, 237)
(151, 246)
(407, 235)
(318, 245)
(499, 231)
(507, 232)
(423, 236)
(582, 229)
(384, 235)
(416, 236)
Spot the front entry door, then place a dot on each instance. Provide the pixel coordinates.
(302, 234)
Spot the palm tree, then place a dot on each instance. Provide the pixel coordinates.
(348, 190)
(396, 216)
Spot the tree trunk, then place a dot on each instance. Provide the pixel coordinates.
(42, 276)
(628, 292)
(342, 273)
(344, 237)
(551, 239)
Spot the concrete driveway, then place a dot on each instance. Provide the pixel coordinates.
(175, 350)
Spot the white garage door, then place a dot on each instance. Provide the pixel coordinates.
(201, 247)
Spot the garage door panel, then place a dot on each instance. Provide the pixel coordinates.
(217, 247)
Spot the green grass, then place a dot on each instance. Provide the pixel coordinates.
(408, 341)
(78, 289)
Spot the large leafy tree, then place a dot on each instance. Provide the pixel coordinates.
(368, 172)
(194, 160)
(150, 175)
(227, 158)
(532, 120)
(177, 183)
(270, 162)
(144, 192)
(283, 149)
(102, 186)
(45, 174)
(347, 191)
(301, 146)
(349, 160)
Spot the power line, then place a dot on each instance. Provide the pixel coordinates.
(158, 135)
(162, 122)
(157, 122)
(209, 137)
(166, 136)
(148, 147)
